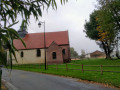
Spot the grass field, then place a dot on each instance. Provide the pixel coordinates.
(110, 78)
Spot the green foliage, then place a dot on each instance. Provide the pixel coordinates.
(74, 54)
(109, 19)
(91, 26)
(10, 10)
(3, 58)
(82, 53)
(104, 26)
(113, 7)
(7, 35)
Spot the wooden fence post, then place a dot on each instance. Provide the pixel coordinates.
(35, 66)
(28, 67)
(82, 67)
(18, 66)
(40, 66)
(101, 69)
(47, 65)
(56, 67)
(66, 67)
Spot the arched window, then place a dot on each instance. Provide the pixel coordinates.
(22, 54)
(38, 53)
(54, 55)
(63, 51)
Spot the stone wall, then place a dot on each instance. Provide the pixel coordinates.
(54, 48)
(66, 57)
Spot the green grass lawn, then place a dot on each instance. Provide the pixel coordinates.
(110, 78)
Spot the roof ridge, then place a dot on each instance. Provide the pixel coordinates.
(48, 32)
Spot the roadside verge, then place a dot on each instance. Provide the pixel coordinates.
(9, 85)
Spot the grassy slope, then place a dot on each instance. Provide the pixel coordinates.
(107, 77)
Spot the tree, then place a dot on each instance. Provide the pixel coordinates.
(90, 27)
(103, 37)
(82, 53)
(106, 32)
(74, 54)
(110, 19)
(113, 7)
(10, 10)
(105, 22)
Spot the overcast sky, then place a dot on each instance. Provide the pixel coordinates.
(71, 17)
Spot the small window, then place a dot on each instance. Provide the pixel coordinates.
(54, 55)
(22, 54)
(63, 51)
(38, 53)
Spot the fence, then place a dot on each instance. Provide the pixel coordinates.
(82, 68)
(67, 67)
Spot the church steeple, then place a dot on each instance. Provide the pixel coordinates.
(22, 31)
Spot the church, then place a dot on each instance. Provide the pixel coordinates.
(57, 48)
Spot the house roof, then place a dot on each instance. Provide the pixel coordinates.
(97, 53)
(36, 40)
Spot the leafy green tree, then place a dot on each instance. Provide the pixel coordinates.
(10, 10)
(110, 20)
(90, 27)
(113, 7)
(74, 54)
(93, 31)
(83, 53)
(106, 30)
(104, 25)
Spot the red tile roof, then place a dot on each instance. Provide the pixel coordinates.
(36, 40)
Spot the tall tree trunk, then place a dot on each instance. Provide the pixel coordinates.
(117, 54)
(117, 50)
(106, 50)
(108, 56)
